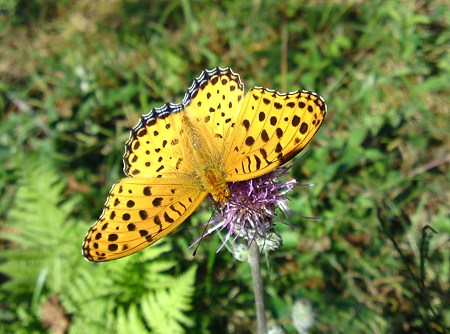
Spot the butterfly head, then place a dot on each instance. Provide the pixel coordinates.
(220, 193)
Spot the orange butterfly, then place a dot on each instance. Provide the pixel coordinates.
(180, 153)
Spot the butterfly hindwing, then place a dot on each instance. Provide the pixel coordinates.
(154, 147)
(214, 108)
(162, 144)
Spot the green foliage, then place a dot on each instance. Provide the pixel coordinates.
(39, 228)
(107, 300)
(178, 301)
(44, 260)
(76, 76)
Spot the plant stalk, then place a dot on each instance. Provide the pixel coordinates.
(258, 290)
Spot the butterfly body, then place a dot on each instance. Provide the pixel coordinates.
(180, 153)
(203, 159)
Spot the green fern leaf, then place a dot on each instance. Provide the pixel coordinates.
(130, 322)
(164, 309)
(40, 232)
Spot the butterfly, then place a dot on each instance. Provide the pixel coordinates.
(180, 153)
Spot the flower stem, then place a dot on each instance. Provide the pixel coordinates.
(255, 266)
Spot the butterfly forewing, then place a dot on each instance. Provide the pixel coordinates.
(137, 213)
(271, 129)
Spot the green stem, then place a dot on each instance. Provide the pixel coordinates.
(255, 266)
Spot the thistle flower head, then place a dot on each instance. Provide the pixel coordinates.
(251, 209)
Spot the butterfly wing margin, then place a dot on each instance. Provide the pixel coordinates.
(137, 213)
(271, 129)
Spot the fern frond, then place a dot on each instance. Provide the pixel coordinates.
(131, 321)
(164, 310)
(40, 232)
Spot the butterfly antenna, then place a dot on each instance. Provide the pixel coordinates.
(203, 234)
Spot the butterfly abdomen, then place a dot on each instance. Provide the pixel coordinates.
(206, 158)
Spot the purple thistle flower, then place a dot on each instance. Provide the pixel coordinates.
(250, 210)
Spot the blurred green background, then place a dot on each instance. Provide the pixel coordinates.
(75, 76)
